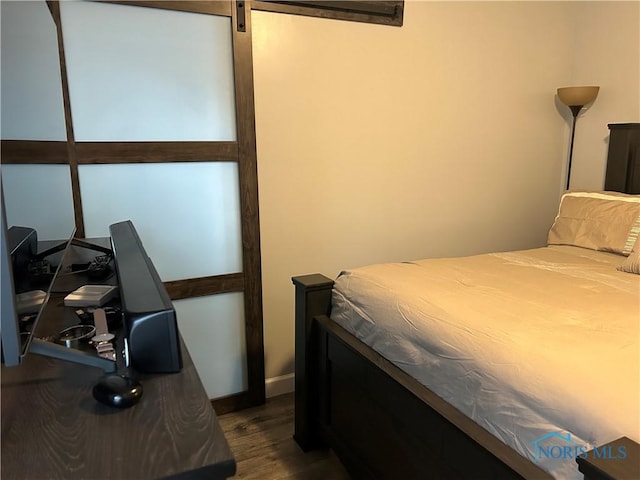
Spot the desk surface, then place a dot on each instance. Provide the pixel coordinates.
(53, 428)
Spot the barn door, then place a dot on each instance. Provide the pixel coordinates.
(158, 101)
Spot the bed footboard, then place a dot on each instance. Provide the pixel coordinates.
(382, 423)
(312, 298)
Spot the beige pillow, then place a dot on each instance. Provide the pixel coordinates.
(606, 221)
(632, 263)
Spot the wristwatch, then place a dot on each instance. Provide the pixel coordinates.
(102, 338)
(72, 336)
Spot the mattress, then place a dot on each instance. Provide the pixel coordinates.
(533, 345)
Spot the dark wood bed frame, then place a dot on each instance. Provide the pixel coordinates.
(381, 422)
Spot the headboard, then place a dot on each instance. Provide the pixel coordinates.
(623, 161)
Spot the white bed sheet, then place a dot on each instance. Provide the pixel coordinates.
(525, 343)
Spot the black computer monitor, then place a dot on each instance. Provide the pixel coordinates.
(149, 316)
(19, 253)
(12, 348)
(150, 324)
(26, 282)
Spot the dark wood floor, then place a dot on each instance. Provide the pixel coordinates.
(261, 440)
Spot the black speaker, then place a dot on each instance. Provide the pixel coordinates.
(150, 320)
(153, 342)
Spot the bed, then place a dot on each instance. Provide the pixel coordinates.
(441, 368)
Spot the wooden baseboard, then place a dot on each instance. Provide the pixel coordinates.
(279, 385)
(232, 403)
(274, 386)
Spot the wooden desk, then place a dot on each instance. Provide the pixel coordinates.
(53, 428)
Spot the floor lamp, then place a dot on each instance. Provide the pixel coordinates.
(575, 98)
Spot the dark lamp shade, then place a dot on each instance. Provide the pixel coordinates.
(577, 96)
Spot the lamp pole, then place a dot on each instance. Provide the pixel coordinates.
(575, 110)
